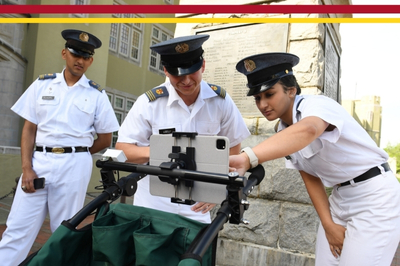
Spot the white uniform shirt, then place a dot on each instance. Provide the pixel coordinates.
(66, 116)
(210, 115)
(339, 155)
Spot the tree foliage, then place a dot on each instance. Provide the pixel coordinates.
(394, 151)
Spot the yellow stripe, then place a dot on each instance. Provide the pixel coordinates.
(151, 95)
(200, 20)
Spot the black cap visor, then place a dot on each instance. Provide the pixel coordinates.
(181, 71)
(79, 53)
(261, 87)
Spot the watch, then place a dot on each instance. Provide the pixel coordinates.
(252, 156)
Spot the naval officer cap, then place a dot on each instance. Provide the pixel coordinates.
(182, 55)
(264, 70)
(80, 42)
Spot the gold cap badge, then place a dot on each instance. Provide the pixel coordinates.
(182, 48)
(84, 37)
(249, 65)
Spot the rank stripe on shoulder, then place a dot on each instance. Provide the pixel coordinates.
(156, 93)
(218, 90)
(95, 85)
(47, 76)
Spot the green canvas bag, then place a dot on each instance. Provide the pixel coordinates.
(126, 235)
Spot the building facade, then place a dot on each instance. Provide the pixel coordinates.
(124, 66)
(283, 222)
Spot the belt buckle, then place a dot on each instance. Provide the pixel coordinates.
(57, 150)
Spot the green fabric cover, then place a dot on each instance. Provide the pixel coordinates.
(189, 262)
(126, 235)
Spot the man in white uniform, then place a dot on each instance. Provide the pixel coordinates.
(184, 103)
(63, 112)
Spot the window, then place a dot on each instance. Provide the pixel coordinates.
(121, 105)
(157, 35)
(114, 37)
(129, 105)
(119, 102)
(126, 39)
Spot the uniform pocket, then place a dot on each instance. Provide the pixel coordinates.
(112, 239)
(208, 128)
(312, 149)
(150, 245)
(84, 105)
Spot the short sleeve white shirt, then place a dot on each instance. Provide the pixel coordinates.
(339, 155)
(66, 116)
(209, 115)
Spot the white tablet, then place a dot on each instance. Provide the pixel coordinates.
(211, 155)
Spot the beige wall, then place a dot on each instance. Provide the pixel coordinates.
(41, 46)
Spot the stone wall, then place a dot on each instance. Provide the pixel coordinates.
(12, 75)
(283, 221)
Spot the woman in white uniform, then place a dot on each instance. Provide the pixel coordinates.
(360, 222)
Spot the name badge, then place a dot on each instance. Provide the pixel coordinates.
(47, 98)
(166, 131)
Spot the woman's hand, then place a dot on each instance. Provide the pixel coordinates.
(203, 207)
(239, 163)
(335, 234)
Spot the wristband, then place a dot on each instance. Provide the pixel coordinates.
(252, 156)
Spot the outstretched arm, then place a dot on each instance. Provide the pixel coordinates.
(285, 142)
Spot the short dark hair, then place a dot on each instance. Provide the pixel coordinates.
(290, 81)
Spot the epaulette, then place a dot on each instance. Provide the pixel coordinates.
(47, 76)
(218, 90)
(157, 92)
(95, 85)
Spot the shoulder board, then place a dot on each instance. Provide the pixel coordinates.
(47, 76)
(157, 92)
(95, 85)
(218, 90)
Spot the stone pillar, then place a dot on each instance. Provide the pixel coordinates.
(283, 221)
(12, 75)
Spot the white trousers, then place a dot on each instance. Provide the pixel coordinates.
(67, 177)
(370, 211)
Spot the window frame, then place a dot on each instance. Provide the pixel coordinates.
(157, 36)
(126, 39)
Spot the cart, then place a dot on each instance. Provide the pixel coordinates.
(123, 234)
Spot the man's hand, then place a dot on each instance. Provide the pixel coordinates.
(27, 181)
(203, 207)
